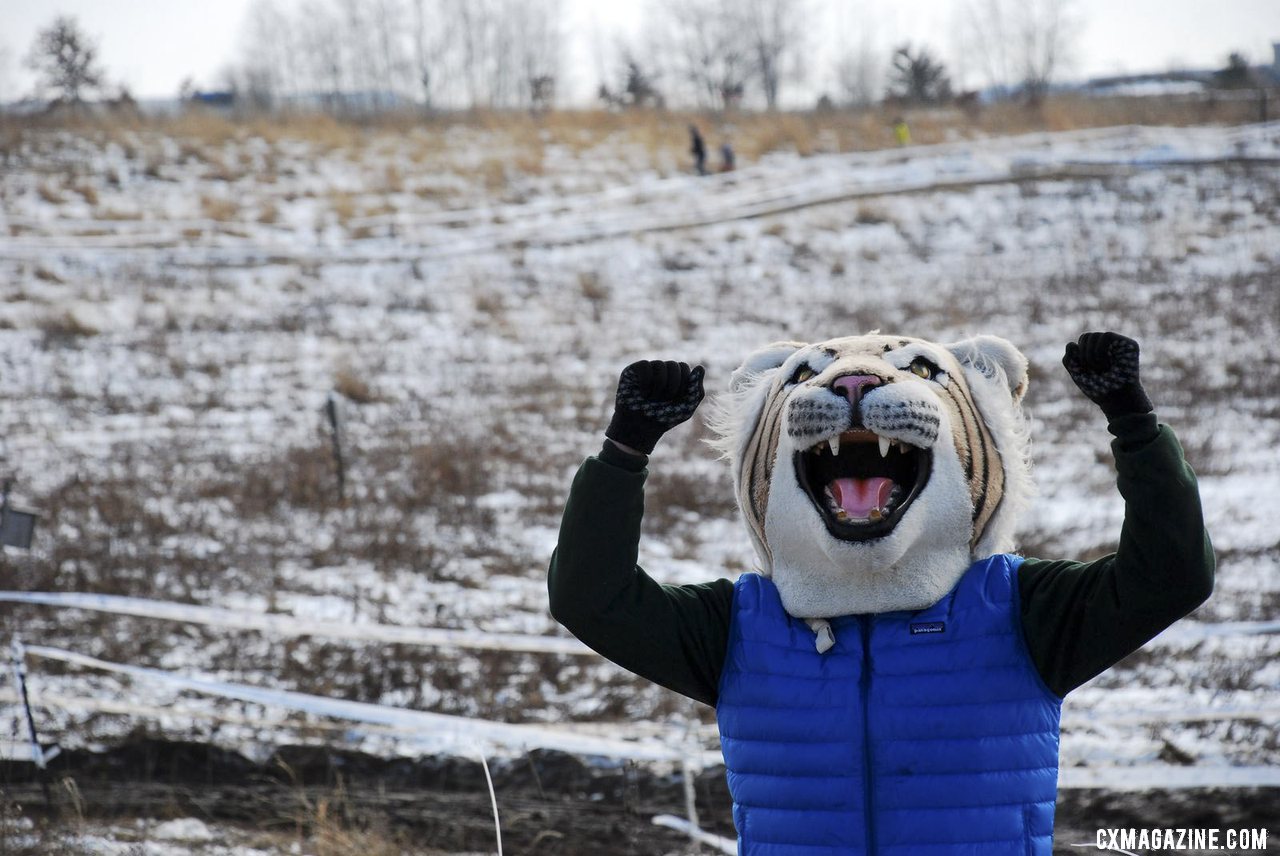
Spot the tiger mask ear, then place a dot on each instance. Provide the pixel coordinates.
(767, 358)
(735, 413)
(996, 360)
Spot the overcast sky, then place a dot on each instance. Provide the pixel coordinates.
(153, 45)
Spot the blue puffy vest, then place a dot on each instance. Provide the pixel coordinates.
(927, 733)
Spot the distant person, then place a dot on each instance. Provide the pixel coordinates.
(901, 131)
(726, 157)
(699, 150)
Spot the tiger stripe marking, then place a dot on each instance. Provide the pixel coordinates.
(754, 490)
(992, 489)
(986, 481)
(964, 434)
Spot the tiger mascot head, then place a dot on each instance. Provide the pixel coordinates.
(872, 470)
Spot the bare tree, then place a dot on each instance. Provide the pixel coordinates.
(776, 36)
(985, 30)
(537, 38)
(429, 50)
(361, 40)
(387, 23)
(860, 71)
(707, 48)
(6, 57)
(1022, 43)
(469, 23)
(323, 56)
(506, 53)
(67, 61)
(269, 70)
(1047, 33)
(373, 53)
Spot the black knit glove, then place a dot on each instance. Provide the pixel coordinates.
(1105, 367)
(653, 397)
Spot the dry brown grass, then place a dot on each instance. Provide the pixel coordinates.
(219, 208)
(661, 135)
(203, 125)
(392, 180)
(353, 387)
(49, 193)
(269, 212)
(116, 214)
(379, 209)
(326, 132)
(492, 172)
(343, 206)
(66, 324)
(328, 826)
(87, 191)
(220, 170)
(755, 134)
(870, 215)
(592, 287)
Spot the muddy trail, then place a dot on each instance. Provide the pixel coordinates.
(550, 802)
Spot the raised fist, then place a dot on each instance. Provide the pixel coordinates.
(1105, 367)
(654, 396)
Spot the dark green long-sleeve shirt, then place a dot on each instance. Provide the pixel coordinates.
(1079, 618)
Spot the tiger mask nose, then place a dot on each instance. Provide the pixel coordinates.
(853, 387)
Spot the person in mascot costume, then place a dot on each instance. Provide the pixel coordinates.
(889, 682)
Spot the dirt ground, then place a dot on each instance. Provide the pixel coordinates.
(550, 803)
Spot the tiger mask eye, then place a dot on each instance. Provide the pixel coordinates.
(922, 369)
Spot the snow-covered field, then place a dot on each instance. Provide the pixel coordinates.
(174, 315)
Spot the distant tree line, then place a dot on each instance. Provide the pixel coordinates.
(709, 54)
(370, 55)
(379, 53)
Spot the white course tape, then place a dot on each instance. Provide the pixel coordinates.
(1194, 631)
(190, 714)
(186, 714)
(465, 733)
(1155, 777)
(1083, 719)
(715, 842)
(287, 625)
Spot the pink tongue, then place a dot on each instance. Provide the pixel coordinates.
(858, 496)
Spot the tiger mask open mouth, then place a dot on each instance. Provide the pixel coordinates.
(862, 483)
(871, 470)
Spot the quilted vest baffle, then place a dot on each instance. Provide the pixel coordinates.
(924, 733)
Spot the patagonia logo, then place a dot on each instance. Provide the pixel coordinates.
(928, 627)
